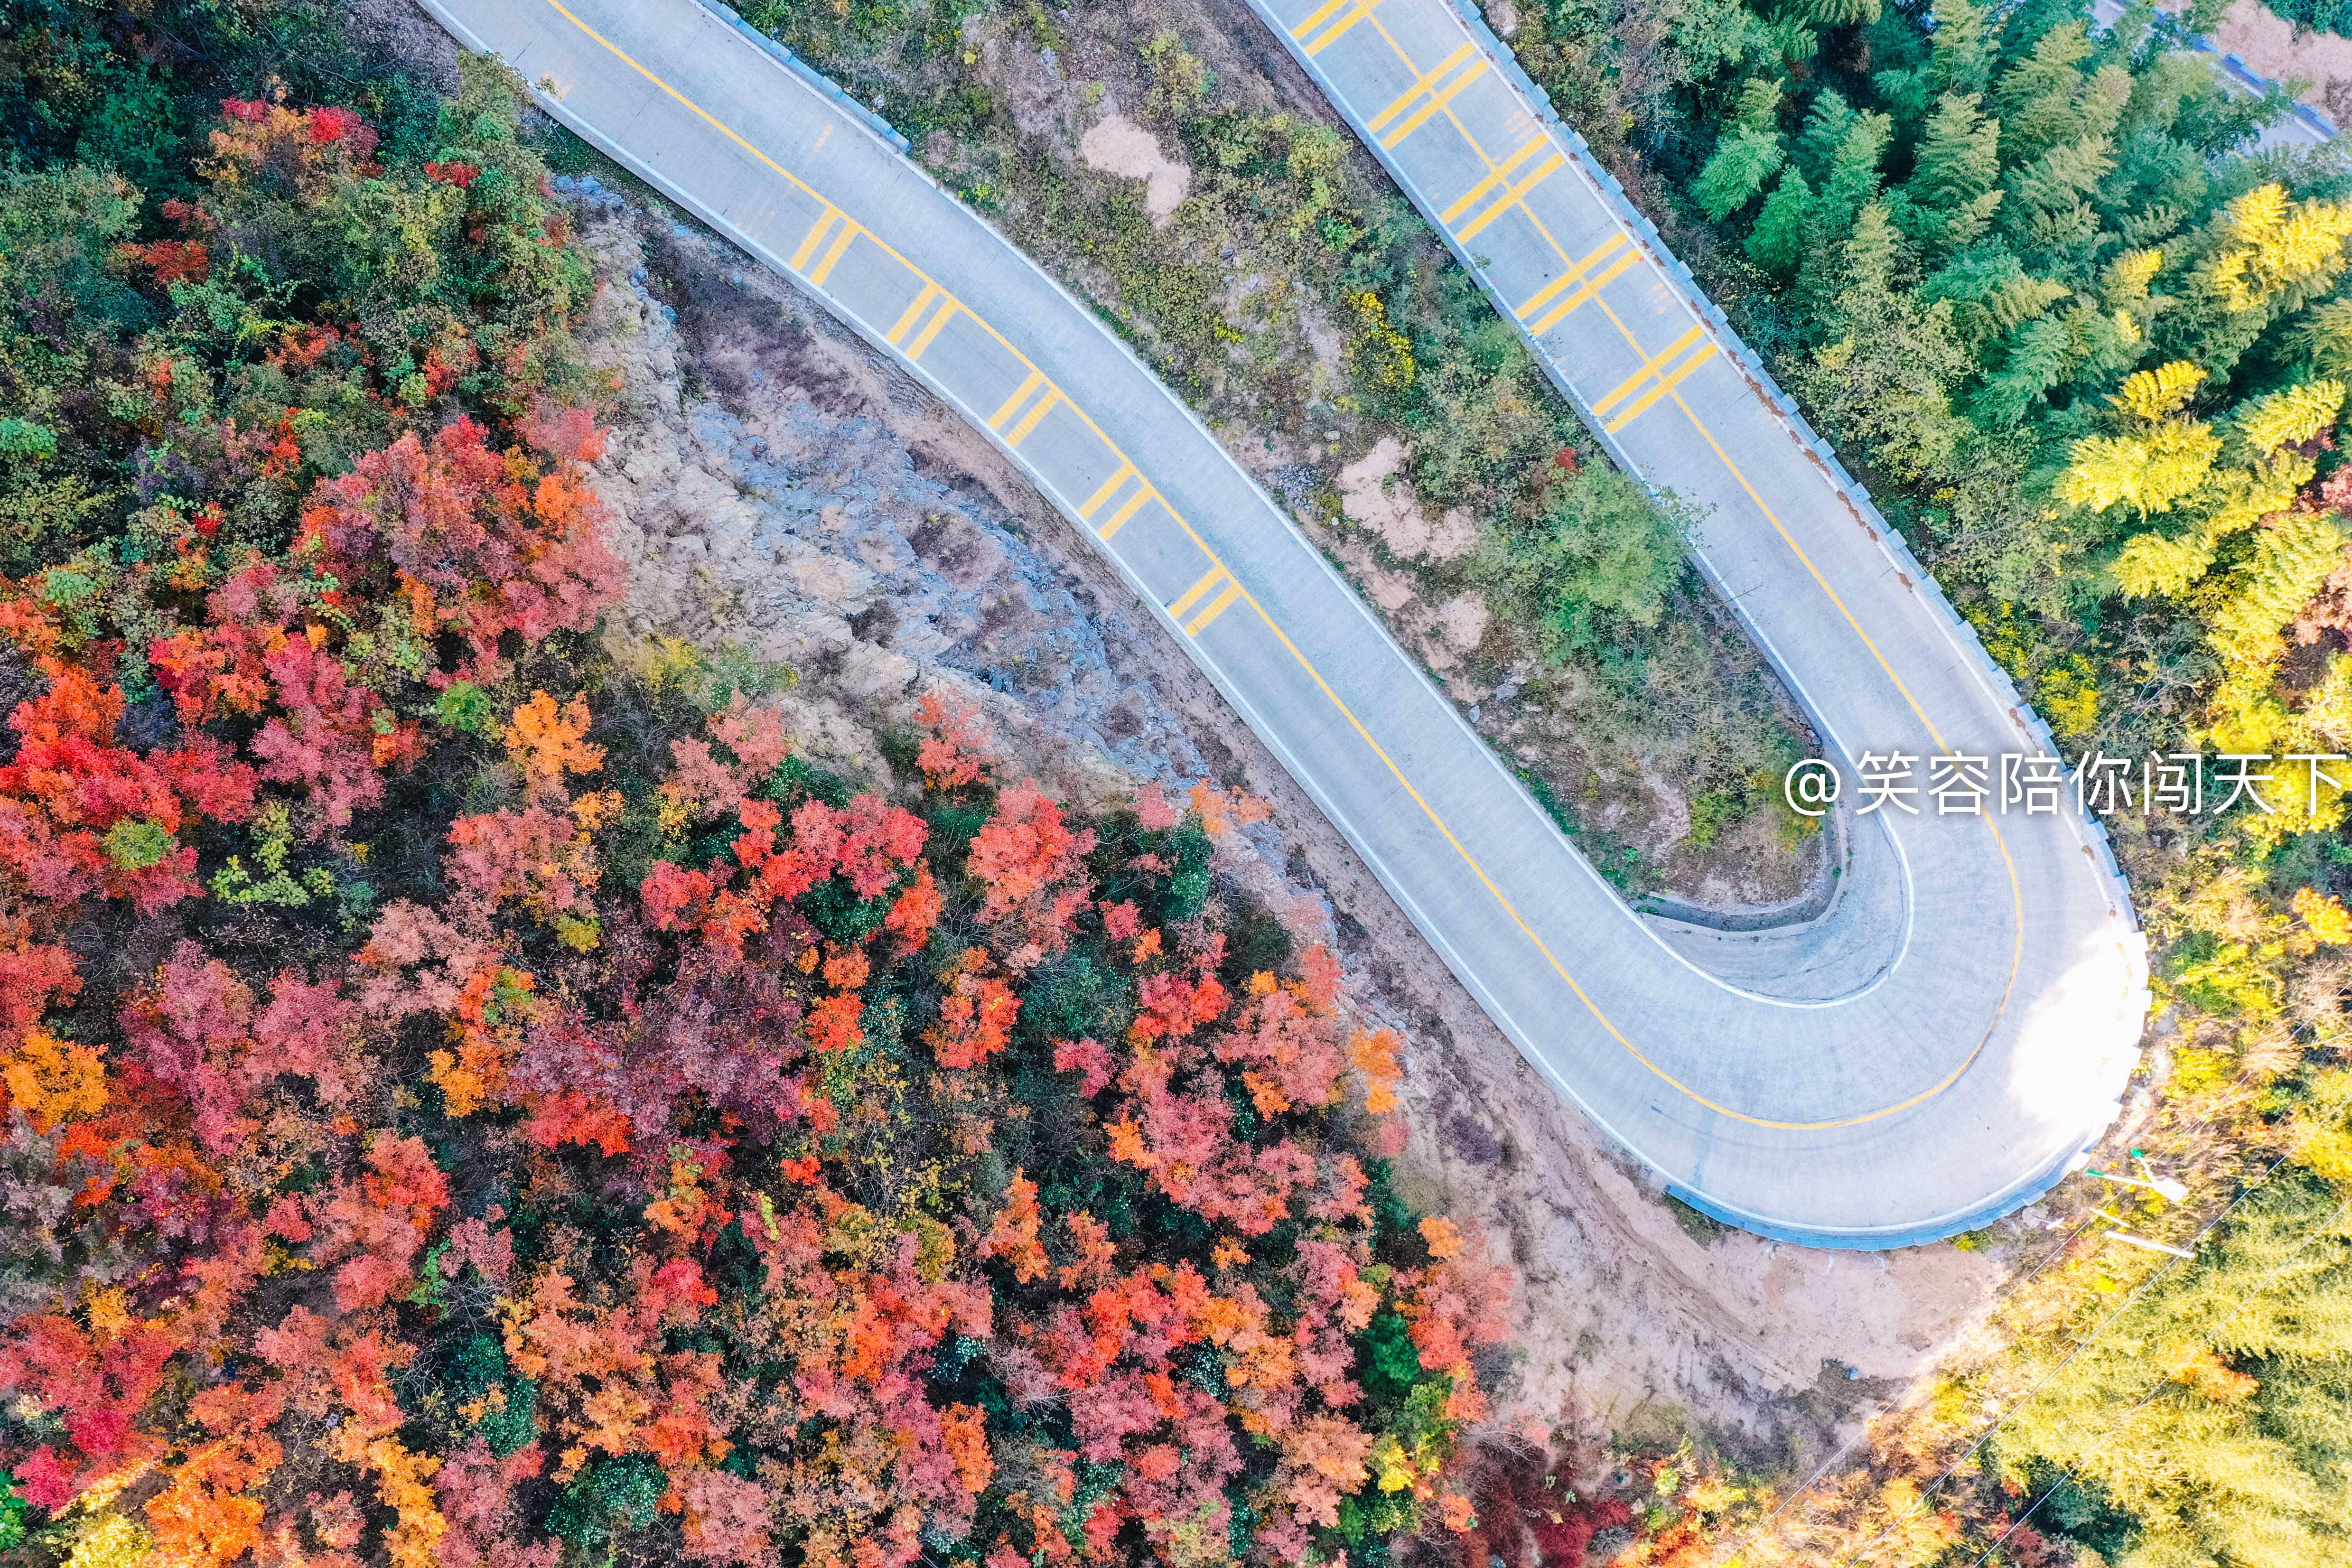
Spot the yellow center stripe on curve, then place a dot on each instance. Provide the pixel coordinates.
(1354, 13)
(1422, 85)
(1011, 406)
(1496, 176)
(1577, 272)
(1512, 197)
(1438, 100)
(1356, 724)
(908, 318)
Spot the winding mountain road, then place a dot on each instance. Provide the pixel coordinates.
(1927, 1053)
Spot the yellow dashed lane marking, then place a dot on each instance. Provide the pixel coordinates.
(815, 237)
(939, 318)
(1318, 15)
(1438, 99)
(1037, 410)
(833, 254)
(1495, 176)
(1214, 608)
(1587, 290)
(1127, 509)
(1420, 88)
(1577, 272)
(908, 318)
(1649, 365)
(1110, 488)
(1011, 405)
(1191, 595)
(1654, 370)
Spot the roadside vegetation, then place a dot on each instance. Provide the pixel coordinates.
(469, 1093)
(2320, 15)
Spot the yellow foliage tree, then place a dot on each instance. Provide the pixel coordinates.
(547, 740)
(54, 1080)
(2279, 245)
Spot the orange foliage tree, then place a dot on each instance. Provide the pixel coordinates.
(468, 1105)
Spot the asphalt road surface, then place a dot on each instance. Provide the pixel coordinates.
(1924, 1055)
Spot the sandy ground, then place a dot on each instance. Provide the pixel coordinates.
(1374, 493)
(1118, 146)
(785, 491)
(2275, 47)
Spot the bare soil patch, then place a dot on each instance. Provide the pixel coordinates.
(1118, 146)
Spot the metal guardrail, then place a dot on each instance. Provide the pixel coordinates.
(1500, 53)
(808, 73)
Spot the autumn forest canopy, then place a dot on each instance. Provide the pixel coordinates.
(472, 1093)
